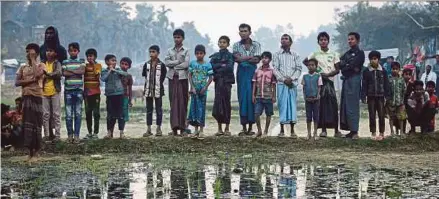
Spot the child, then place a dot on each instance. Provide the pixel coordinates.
(200, 77)
(51, 96)
(395, 103)
(434, 103)
(30, 78)
(264, 92)
(177, 60)
(92, 93)
(408, 79)
(73, 71)
(11, 122)
(127, 81)
(375, 87)
(420, 110)
(312, 83)
(154, 72)
(114, 91)
(222, 64)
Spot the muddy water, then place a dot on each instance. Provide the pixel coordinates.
(224, 180)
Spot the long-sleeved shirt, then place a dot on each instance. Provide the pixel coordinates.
(73, 82)
(223, 66)
(287, 64)
(397, 91)
(428, 77)
(177, 60)
(352, 62)
(113, 81)
(375, 83)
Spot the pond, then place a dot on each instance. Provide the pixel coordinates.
(227, 179)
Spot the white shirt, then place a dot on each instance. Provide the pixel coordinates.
(430, 77)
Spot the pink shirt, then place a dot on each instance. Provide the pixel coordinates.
(265, 79)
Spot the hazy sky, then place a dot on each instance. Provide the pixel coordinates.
(223, 18)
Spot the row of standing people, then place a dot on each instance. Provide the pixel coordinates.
(253, 97)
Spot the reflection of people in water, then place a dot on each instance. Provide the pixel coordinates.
(210, 177)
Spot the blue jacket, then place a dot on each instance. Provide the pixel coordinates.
(113, 81)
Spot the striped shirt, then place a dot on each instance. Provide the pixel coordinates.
(74, 82)
(91, 79)
(287, 64)
(254, 50)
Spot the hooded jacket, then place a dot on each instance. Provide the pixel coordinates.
(60, 50)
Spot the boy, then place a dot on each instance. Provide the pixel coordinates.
(114, 91)
(73, 70)
(420, 110)
(395, 104)
(127, 81)
(264, 92)
(12, 126)
(223, 68)
(375, 87)
(177, 60)
(30, 78)
(200, 77)
(154, 72)
(92, 92)
(51, 96)
(312, 83)
(407, 74)
(434, 103)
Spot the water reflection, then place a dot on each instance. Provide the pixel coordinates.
(277, 180)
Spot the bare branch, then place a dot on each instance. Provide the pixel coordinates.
(420, 25)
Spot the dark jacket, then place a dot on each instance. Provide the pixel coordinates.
(375, 83)
(223, 66)
(60, 50)
(146, 72)
(351, 63)
(55, 75)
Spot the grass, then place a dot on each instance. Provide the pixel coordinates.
(176, 145)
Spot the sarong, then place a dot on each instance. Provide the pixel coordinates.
(244, 78)
(178, 98)
(32, 121)
(328, 106)
(197, 110)
(350, 103)
(287, 103)
(222, 108)
(125, 105)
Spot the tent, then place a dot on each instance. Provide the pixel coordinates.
(384, 54)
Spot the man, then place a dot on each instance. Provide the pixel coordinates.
(328, 68)
(436, 70)
(351, 64)
(388, 65)
(287, 69)
(428, 76)
(177, 62)
(51, 38)
(247, 54)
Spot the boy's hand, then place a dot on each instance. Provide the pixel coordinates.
(193, 91)
(254, 99)
(203, 91)
(273, 99)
